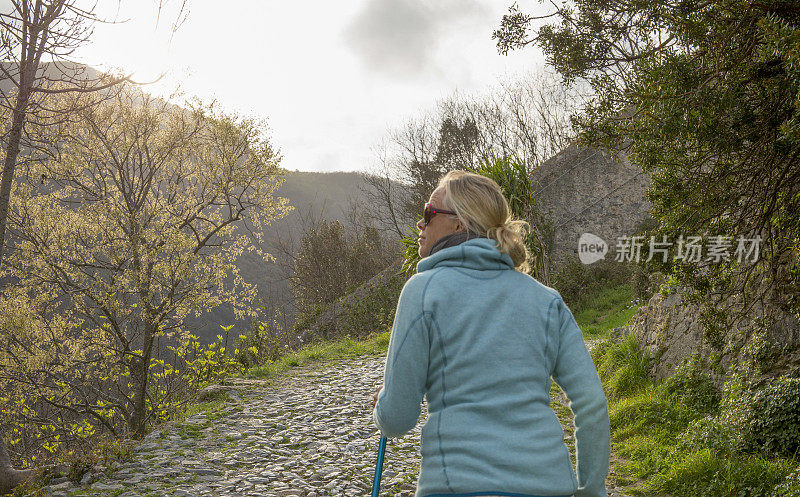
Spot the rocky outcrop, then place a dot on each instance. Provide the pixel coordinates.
(586, 190)
(670, 330)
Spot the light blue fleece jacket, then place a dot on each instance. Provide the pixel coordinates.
(482, 341)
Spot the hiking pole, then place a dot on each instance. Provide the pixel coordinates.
(376, 484)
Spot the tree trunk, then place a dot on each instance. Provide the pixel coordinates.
(141, 374)
(10, 477)
(12, 151)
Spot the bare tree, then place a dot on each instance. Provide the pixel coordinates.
(37, 36)
(385, 196)
(528, 120)
(37, 39)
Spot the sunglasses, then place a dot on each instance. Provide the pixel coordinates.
(429, 212)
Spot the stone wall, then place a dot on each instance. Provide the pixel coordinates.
(669, 330)
(585, 190)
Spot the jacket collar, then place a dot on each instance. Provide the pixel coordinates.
(452, 240)
(476, 253)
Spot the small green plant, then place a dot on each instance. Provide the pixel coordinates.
(265, 341)
(692, 386)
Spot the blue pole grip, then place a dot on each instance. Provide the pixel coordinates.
(376, 484)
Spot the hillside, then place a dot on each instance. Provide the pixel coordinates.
(313, 195)
(325, 195)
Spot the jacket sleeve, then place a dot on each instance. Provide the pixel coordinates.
(406, 371)
(575, 373)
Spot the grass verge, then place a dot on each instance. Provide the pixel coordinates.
(652, 425)
(346, 348)
(605, 310)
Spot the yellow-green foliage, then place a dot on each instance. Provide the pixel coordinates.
(134, 225)
(265, 341)
(692, 387)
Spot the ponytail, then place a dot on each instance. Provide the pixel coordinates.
(510, 238)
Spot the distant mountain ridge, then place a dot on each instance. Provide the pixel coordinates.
(327, 196)
(52, 71)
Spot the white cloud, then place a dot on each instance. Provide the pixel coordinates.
(400, 38)
(331, 77)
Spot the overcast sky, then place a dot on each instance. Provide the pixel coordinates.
(330, 77)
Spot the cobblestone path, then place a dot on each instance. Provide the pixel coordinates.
(308, 435)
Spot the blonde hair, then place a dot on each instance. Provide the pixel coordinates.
(481, 207)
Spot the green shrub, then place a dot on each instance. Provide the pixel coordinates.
(763, 353)
(690, 385)
(514, 180)
(790, 487)
(721, 431)
(752, 418)
(772, 418)
(623, 367)
(685, 438)
(578, 282)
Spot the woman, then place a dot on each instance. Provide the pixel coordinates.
(482, 341)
